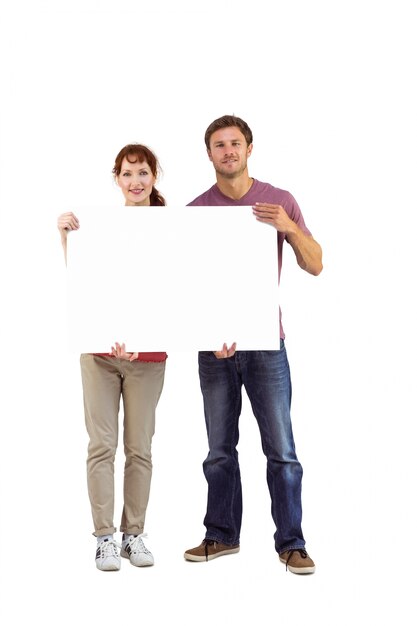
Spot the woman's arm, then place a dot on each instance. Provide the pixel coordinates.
(66, 223)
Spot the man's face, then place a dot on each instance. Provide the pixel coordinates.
(229, 152)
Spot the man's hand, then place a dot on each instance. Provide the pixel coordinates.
(307, 250)
(275, 215)
(120, 352)
(225, 352)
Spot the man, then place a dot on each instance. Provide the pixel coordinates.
(264, 374)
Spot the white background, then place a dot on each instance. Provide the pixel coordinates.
(329, 90)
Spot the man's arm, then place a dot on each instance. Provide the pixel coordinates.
(307, 251)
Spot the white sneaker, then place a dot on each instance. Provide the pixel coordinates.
(135, 550)
(107, 555)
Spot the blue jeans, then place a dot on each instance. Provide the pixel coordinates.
(266, 378)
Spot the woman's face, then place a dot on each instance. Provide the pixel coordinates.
(136, 181)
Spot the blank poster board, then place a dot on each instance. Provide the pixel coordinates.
(172, 278)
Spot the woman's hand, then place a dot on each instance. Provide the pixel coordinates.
(119, 350)
(66, 222)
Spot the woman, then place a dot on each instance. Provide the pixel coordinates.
(137, 378)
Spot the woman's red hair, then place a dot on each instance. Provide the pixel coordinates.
(137, 153)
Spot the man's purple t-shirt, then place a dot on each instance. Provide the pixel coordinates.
(259, 192)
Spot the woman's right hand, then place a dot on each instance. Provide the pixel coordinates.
(66, 222)
(120, 352)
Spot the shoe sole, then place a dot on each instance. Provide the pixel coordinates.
(299, 570)
(210, 557)
(126, 556)
(108, 569)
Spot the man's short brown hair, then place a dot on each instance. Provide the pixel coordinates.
(225, 122)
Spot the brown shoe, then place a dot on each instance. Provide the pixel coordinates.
(298, 561)
(208, 550)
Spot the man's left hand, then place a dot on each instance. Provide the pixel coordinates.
(275, 215)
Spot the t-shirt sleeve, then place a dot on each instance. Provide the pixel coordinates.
(294, 213)
(199, 201)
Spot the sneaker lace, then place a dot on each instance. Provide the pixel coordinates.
(302, 553)
(207, 543)
(137, 545)
(109, 548)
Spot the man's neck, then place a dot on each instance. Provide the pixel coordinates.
(235, 188)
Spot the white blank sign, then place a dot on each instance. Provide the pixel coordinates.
(172, 278)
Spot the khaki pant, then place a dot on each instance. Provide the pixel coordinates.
(105, 380)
